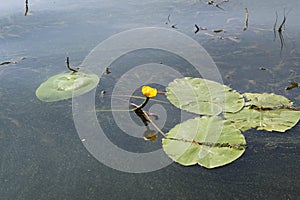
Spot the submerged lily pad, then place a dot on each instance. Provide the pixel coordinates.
(269, 112)
(203, 96)
(65, 85)
(209, 141)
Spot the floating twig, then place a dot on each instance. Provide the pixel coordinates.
(246, 21)
(102, 93)
(218, 30)
(197, 28)
(107, 71)
(282, 23)
(6, 63)
(217, 4)
(292, 85)
(15, 61)
(26, 7)
(169, 22)
(174, 26)
(280, 31)
(68, 66)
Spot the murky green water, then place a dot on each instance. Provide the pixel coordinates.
(42, 156)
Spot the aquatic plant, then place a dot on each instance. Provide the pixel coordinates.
(268, 112)
(203, 96)
(66, 85)
(210, 140)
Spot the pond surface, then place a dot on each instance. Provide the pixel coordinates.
(43, 157)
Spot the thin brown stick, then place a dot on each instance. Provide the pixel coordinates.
(282, 23)
(247, 19)
(26, 7)
(153, 124)
(145, 117)
(197, 28)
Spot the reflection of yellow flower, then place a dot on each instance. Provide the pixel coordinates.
(149, 91)
(150, 135)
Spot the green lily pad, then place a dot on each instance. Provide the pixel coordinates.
(266, 112)
(209, 141)
(203, 96)
(266, 100)
(65, 85)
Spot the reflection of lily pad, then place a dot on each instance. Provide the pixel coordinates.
(203, 96)
(209, 141)
(266, 112)
(65, 85)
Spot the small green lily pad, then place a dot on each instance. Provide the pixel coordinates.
(266, 100)
(65, 85)
(203, 96)
(269, 112)
(209, 141)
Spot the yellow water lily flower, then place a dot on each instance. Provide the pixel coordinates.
(149, 91)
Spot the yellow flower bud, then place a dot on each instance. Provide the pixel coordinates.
(149, 91)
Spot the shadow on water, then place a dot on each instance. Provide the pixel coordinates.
(42, 156)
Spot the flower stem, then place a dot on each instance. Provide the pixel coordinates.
(143, 104)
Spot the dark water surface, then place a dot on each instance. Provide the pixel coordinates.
(42, 156)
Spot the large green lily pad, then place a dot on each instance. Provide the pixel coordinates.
(266, 112)
(203, 96)
(209, 141)
(65, 85)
